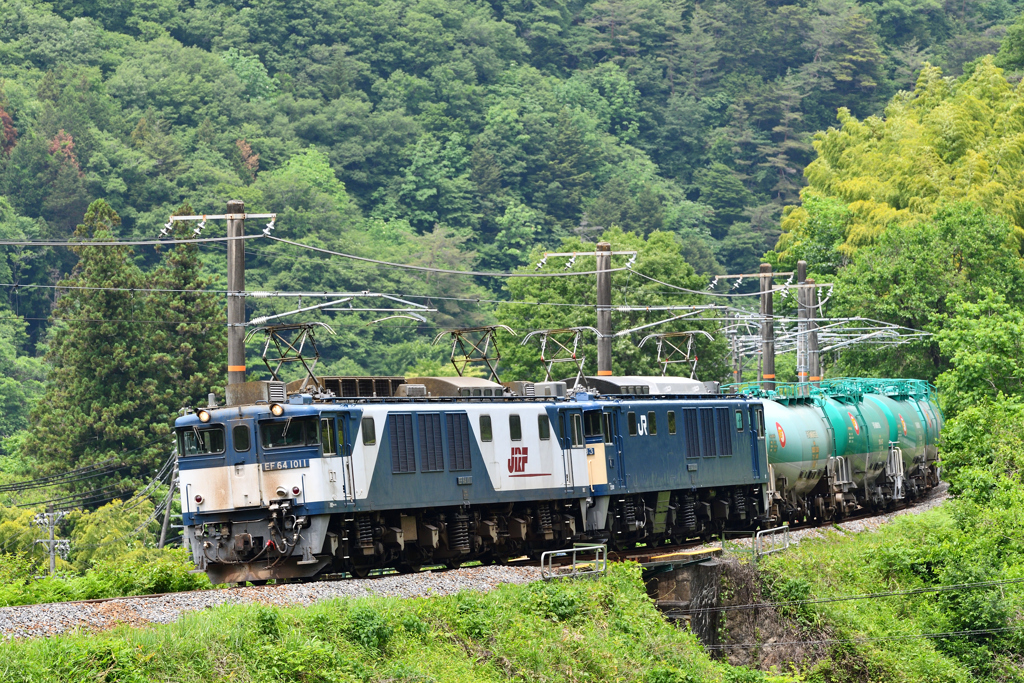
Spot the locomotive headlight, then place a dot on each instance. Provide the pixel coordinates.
(276, 409)
(204, 416)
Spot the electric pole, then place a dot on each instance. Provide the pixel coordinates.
(801, 325)
(813, 357)
(604, 309)
(55, 546)
(767, 329)
(236, 292)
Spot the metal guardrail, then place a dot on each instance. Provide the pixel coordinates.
(578, 566)
(768, 541)
(756, 543)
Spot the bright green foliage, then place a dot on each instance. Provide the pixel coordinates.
(983, 450)
(574, 298)
(983, 342)
(913, 274)
(601, 630)
(976, 536)
(947, 141)
(140, 572)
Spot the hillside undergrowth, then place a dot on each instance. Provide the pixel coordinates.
(602, 630)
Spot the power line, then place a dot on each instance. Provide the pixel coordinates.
(53, 478)
(866, 596)
(446, 271)
(104, 243)
(869, 639)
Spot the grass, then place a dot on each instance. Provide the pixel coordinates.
(912, 552)
(597, 630)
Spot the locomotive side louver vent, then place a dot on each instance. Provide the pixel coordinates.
(724, 431)
(430, 442)
(403, 458)
(276, 392)
(458, 442)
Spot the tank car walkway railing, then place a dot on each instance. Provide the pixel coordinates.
(580, 560)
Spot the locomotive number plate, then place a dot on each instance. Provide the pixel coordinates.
(285, 465)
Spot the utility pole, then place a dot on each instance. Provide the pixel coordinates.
(801, 326)
(167, 508)
(813, 357)
(604, 309)
(767, 329)
(236, 293)
(55, 546)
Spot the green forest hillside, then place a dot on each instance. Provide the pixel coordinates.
(457, 135)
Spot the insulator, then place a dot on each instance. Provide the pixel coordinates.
(259, 295)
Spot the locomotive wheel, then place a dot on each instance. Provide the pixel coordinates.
(360, 572)
(408, 568)
(453, 564)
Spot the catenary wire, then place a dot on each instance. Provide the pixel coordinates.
(127, 243)
(446, 271)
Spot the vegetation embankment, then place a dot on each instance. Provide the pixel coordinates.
(976, 537)
(601, 630)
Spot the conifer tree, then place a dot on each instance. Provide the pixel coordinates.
(188, 347)
(100, 398)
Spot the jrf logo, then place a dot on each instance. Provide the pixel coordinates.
(517, 460)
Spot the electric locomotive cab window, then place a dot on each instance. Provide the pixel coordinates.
(671, 422)
(760, 423)
(543, 427)
(202, 441)
(327, 436)
(240, 438)
(485, 428)
(739, 420)
(652, 423)
(606, 428)
(631, 422)
(290, 433)
(515, 427)
(577, 430)
(592, 423)
(369, 432)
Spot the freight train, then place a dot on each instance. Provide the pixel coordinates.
(356, 474)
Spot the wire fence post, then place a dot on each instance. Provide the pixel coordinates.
(167, 507)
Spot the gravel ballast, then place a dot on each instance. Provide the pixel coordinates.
(55, 618)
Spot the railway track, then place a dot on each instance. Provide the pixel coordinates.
(101, 613)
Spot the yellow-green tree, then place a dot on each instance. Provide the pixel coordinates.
(949, 140)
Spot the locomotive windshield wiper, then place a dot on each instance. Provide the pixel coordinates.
(284, 434)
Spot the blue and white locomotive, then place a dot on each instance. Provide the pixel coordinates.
(367, 473)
